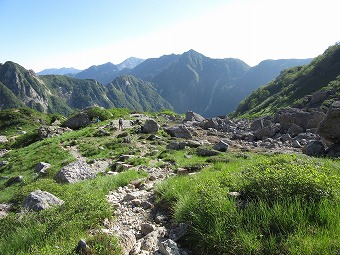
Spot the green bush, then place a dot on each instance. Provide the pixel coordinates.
(288, 176)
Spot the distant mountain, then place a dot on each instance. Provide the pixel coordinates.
(194, 82)
(314, 85)
(130, 92)
(59, 71)
(150, 67)
(129, 63)
(104, 73)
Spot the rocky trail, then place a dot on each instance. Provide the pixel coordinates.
(142, 227)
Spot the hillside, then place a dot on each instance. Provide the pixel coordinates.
(258, 76)
(297, 86)
(62, 94)
(133, 93)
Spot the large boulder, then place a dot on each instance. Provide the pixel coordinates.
(329, 128)
(267, 131)
(179, 132)
(314, 148)
(150, 126)
(315, 119)
(214, 123)
(41, 200)
(74, 172)
(289, 116)
(221, 146)
(78, 121)
(192, 116)
(333, 151)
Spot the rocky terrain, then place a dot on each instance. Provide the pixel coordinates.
(145, 226)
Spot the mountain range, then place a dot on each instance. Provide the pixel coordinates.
(190, 81)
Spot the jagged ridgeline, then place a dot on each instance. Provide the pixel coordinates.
(315, 85)
(61, 94)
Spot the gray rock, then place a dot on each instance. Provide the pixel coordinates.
(42, 167)
(212, 123)
(294, 130)
(314, 148)
(147, 228)
(169, 247)
(288, 116)
(333, 151)
(4, 209)
(127, 241)
(315, 119)
(150, 126)
(78, 121)
(285, 138)
(41, 200)
(3, 163)
(82, 247)
(206, 152)
(178, 231)
(51, 131)
(14, 180)
(192, 116)
(3, 139)
(267, 131)
(74, 172)
(329, 128)
(3, 152)
(296, 144)
(192, 144)
(176, 146)
(179, 132)
(221, 146)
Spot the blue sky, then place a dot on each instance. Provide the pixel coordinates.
(40, 34)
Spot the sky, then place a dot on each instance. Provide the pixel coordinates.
(41, 34)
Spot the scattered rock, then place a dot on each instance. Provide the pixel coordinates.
(51, 131)
(329, 128)
(179, 132)
(42, 167)
(3, 152)
(14, 180)
(221, 146)
(192, 116)
(41, 200)
(178, 231)
(150, 126)
(333, 151)
(204, 152)
(78, 121)
(288, 116)
(74, 172)
(314, 148)
(169, 247)
(3, 163)
(82, 247)
(127, 241)
(3, 139)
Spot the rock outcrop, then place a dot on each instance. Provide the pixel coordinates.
(40, 200)
(329, 128)
(74, 172)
